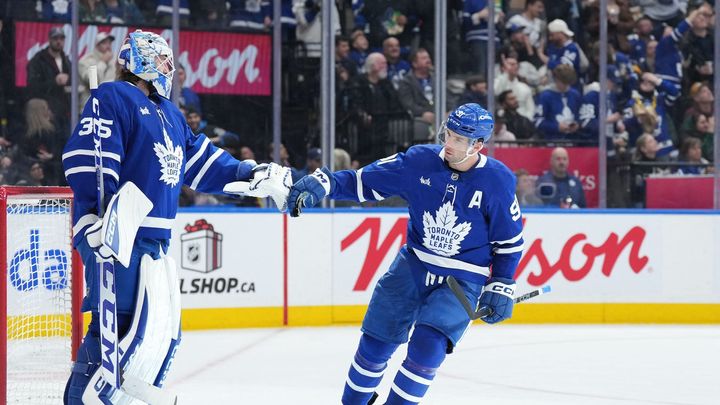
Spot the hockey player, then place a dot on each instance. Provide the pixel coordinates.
(144, 141)
(464, 218)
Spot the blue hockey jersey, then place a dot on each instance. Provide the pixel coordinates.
(461, 223)
(552, 108)
(147, 141)
(660, 101)
(479, 31)
(669, 59)
(249, 14)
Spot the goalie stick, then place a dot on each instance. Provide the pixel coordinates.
(459, 293)
(110, 363)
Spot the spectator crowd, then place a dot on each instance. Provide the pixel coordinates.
(546, 86)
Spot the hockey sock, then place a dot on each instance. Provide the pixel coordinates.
(426, 351)
(366, 370)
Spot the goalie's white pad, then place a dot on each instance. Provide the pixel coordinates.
(269, 180)
(156, 323)
(114, 234)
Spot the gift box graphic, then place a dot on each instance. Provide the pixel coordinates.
(201, 247)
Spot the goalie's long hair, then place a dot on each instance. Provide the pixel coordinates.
(125, 75)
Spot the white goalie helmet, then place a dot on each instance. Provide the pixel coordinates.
(149, 57)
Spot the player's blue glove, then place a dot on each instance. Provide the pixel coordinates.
(498, 296)
(309, 190)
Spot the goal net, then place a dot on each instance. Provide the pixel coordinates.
(40, 293)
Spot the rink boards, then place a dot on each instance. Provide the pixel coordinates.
(257, 268)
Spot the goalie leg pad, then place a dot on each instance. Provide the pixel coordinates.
(150, 340)
(152, 337)
(85, 385)
(426, 351)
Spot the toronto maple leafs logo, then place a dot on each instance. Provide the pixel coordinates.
(442, 235)
(170, 159)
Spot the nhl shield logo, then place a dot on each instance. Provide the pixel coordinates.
(201, 247)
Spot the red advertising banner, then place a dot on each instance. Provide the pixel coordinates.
(583, 165)
(679, 192)
(215, 62)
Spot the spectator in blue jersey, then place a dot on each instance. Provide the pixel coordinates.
(557, 111)
(562, 50)
(288, 21)
(668, 58)
(590, 109)
(359, 49)
(639, 39)
(647, 112)
(516, 123)
(475, 91)
(48, 77)
(188, 97)
(475, 26)
(52, 10)
(164, 10)
(417, 94)
(464, 217)
(254, 15)
(210, 14)
(557, 187)
(397, 66)
(123, 12)
(691, 153)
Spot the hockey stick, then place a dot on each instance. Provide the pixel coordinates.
(108, 309)
(459, 293)
(110, 364)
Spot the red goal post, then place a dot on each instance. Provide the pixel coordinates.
(41, 290)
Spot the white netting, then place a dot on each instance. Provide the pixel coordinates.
(39, 306)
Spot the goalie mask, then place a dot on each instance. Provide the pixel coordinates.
(148, 56)
(470, 122)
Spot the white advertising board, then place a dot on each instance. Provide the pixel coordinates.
(229, 260)
(587, 258)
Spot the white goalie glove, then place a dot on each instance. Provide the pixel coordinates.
(269, 180)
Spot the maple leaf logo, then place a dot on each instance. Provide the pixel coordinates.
(442, 236)
(170, 158)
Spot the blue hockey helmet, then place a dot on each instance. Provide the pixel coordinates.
(472, 121)
(148, 56)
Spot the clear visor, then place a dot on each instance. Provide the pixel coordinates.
(447, 137)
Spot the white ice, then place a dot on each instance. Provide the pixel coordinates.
(502, 364)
